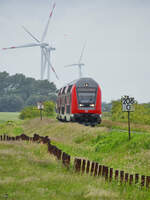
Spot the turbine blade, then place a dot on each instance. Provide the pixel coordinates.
(47, 25)
(44, 61)
(50, 65)
(22, 46)
(82, 52)
(26, 30)
(71, 65)
(54, 71)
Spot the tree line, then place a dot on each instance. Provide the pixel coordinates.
(18, 91)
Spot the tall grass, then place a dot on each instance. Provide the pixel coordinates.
(29, 172)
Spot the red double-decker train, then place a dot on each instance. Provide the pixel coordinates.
(80, 101)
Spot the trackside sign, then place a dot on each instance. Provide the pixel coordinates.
(127, 104)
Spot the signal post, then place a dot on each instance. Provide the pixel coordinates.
(128, 106)
(40, 107)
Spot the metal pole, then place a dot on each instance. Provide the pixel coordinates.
(41, 114)
(129, 125)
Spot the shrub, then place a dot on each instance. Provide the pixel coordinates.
(32, 111)
(140, 115)
(29, 112)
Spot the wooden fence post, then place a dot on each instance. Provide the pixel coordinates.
(110, 174)
(54, 150)
(68, 160)
(106, 173)
(121, 176)
(59, 154)
(96, 169)
(77, 165)
(131, 179)
(74, 165)
(65, 159)
(92, 168)
(103, 170)
(88, 167)
(83, 166)
(142, 180)
(126, 177)
(57, 151)
(4, 137)
(116, 174)
(136, 178)
(100, 170)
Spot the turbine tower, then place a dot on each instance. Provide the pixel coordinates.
(79, 64)
(45, 49)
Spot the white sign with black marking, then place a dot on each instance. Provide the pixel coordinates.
(128, 104)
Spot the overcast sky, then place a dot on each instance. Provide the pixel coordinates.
(117, 35)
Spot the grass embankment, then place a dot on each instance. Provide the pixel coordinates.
(28, 172)
(100, 144)
(36, 175)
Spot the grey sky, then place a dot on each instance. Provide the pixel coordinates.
(117, 49)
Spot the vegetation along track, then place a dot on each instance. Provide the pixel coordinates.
(83, 166)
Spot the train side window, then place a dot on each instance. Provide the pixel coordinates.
(69, 88)
(68, 109)
(59, 92)
(65, 100)
(70, 99)
(63, 92)
(63, 110)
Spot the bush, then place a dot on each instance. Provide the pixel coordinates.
(49, 108)
(140, 115)
(29, 112)
(32, 111)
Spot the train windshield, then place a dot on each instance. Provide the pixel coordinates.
(86, 95)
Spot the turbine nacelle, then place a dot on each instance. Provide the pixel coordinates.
(81, 64)
(50, 48)
(43, 44)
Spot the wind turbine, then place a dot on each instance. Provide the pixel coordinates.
(45, 48)
(79, 64)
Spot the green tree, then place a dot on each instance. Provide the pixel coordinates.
(11, 103)
(4, 83)
(32, 100)
(28, 89)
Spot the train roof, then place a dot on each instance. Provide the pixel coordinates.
(79, 81)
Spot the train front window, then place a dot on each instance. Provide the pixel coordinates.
(86, 96)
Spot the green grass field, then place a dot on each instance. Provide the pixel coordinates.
(27, 171)
(6, 116)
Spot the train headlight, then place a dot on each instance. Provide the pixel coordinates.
(81, 105)
(92, 105)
